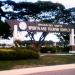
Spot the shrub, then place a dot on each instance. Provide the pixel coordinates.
(50, 49)
(44, 50)
(47, 49)
(53, 49)
(18, 54)
(7, 55)
(26, 54)
(65, 49)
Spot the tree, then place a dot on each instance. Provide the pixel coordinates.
(64, 39)
(41, 11)
(37, 11)
(4, 30)
(2, 14)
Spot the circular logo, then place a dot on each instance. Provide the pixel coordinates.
(22, 25)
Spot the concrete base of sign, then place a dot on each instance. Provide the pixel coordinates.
(72, 49)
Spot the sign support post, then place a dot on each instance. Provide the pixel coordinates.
(15, 31)
(72, 46)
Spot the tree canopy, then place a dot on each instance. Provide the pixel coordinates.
(44, 11)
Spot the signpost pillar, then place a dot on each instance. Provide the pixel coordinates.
(72, 46)
(15, 31)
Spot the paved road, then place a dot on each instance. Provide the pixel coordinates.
(60, 72)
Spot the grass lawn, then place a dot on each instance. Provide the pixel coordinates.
(42, 61)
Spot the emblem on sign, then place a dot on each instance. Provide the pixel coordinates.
(22, 25)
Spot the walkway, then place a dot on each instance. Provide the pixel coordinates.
(69, 69)
(44, 54)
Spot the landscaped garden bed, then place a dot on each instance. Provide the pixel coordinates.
(47, 60)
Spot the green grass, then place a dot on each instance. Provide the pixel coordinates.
(42, 61)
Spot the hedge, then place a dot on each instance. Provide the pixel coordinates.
(47, 49)
(54, 49)
(18, 54)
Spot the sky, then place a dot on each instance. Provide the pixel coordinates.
(66, 3)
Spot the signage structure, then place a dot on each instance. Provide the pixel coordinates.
(17, 26)
(43, 27)
(39, 26)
